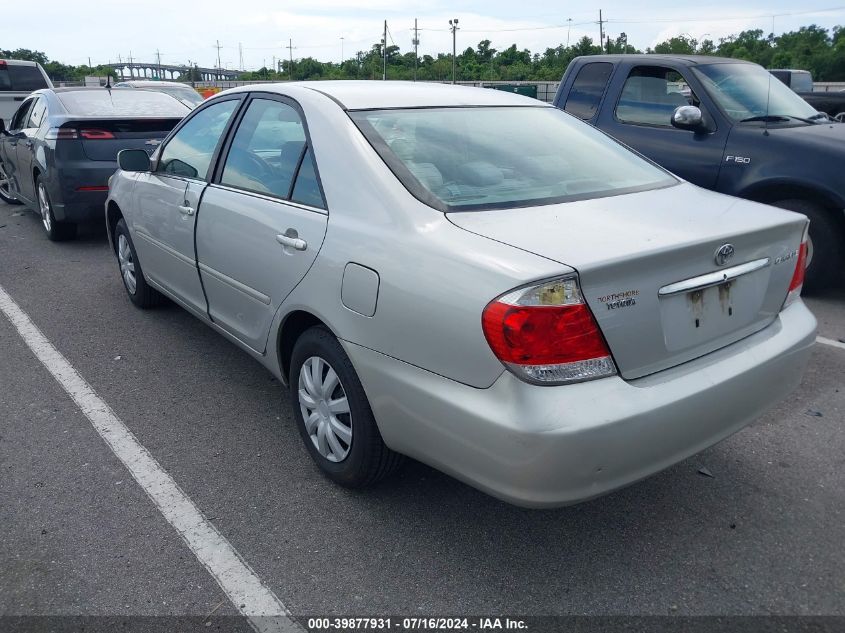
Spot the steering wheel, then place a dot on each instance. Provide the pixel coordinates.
(263, 169)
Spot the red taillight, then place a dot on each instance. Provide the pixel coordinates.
(94, 188)
(800, 268)
(2, 63)
(94, 135)
(547, 334)
(797, 282)
(60, 133)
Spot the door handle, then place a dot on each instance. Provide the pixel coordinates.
(184, 209)
(296, 243)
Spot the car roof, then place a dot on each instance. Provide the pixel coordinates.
(375, 95)
(690, 60)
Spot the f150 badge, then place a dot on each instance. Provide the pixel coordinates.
(742, 160)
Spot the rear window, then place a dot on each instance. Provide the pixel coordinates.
(462, 159)
(118, 103)
(18, 78)
(802, 82)
(587, 89)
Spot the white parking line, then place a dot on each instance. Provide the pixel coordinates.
(264, 610)
(829, 341)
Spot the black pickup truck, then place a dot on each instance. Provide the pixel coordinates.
(801, 83)
(725, 125)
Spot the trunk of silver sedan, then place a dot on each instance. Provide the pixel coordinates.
(670, 275)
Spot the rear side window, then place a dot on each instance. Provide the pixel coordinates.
(20, 117)
(191, 149)
(802, 82)
(587, 89)
(307, 187)
(36, 116)
(19, 78)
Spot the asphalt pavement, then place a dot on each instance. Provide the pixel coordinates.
(760, 534)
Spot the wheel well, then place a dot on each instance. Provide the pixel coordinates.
(295, 324)
(771, 194)
(113, 217)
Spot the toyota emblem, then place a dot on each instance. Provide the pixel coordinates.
(724, 254)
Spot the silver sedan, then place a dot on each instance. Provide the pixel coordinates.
(470, 278)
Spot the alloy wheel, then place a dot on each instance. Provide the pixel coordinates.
(325, 409)
(44, 207)
(127, 263)
(5, 184)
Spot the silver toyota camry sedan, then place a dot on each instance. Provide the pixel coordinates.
(471, 278)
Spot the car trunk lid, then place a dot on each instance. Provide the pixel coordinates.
(102, 139)
(647, 265)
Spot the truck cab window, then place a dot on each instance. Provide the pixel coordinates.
(587, 89)
(651, 94)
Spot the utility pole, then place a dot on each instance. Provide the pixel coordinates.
(341, 50)
(384, 54)
(158, 61)
(274, 63)
(290, 49)
(601, 32)
(241, 55)
(453, 26)
(416, 42)
(218, 47)
(568, 30)
(131, 72)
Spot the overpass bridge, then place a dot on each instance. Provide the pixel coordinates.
(152, 70)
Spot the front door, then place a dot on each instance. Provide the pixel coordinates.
(642, 119)
(26, 148)
(167, 201)
(9, 151)
(262, 221)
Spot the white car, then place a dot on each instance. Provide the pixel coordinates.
(468, 277)
(180, 91)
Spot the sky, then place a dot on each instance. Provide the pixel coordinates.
(77, 30)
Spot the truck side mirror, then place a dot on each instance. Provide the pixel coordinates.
(133, 160)
(688, 118)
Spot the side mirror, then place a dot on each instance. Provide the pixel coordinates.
(133, 160)
(688, 118)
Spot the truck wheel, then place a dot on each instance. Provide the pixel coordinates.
(334, 415)
(824, 261)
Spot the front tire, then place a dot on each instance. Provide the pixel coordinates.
(6, 187)
(333, 414)
(56, 231)
(824, 261)
(139, 291)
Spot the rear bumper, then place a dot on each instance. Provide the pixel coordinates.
(551, 446)
(71, 202)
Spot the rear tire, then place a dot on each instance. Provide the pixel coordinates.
(825, 261)
(139, 291)
(355, 456)
(56, 231)
(6, 187)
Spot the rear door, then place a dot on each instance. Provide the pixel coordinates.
(641, 117)
(26, 147)
(167, 199)
(263, 220)
(10, 141)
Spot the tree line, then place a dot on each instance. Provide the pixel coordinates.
(812, 48)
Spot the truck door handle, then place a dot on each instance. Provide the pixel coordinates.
(184, 209)
(294, 242)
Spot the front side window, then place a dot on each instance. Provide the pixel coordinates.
(21, 115)
(587, 89)
(750, 92)
(651, 94)
(36, 115)
(460, 159)
(191, 149)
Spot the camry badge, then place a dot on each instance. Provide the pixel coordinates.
(724, 254)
